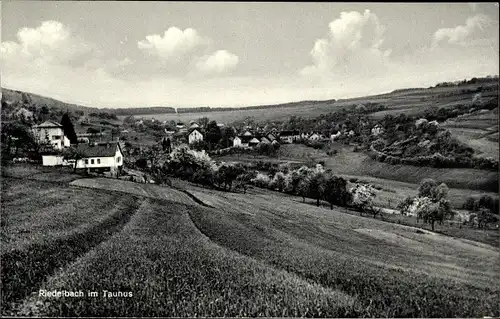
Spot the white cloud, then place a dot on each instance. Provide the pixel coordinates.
(352, 48)
(51, 42)
(219, 62)
(174, 44)
(462, 34)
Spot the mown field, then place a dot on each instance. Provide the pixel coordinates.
(389, 267)
(260, 254)
(479, 131)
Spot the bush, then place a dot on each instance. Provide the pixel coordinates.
(261, 180)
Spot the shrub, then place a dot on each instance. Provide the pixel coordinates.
(261, 180)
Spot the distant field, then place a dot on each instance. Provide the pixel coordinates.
(479, 131)
(347, 162)
(408, 102)
(232, 116)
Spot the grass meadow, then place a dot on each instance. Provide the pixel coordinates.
(259, 254)
(393, 270)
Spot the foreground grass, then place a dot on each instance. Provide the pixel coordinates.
(174, 270)
(47, 225)
(393, 270)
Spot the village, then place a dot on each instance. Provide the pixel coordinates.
(98, 153)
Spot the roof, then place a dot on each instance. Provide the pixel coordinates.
(289, 133)
(104, 150)
(49, 123)
(195, 130)
(245, 139)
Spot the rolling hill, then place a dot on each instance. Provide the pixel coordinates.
(408, 101)
(259, 254)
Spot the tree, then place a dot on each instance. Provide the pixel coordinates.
(279, 181)
(435, 211)
(69, 129)
(317, 183)
(73, 153)
(440, 192)
(244, 179)
(427, 188)
(335, 191)
(141, 163)
(203, 121)
(227, 133)
(213, 134)
(362, 197)
(166, 145)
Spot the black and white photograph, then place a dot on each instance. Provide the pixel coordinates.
(249, 159)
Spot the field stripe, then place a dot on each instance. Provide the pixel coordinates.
(24, 270)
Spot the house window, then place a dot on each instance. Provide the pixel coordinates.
(86, 161)
(56, 137)
(92, 161)
(98, 161)
(118, 159)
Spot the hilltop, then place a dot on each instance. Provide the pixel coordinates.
(408, 101)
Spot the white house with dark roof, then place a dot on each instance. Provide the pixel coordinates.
(100, 157)
(195, 136)
(52, 132)
(242, 141)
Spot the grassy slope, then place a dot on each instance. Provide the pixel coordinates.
(351, 163)
(397, 181)
(297, 259)
(46, 224)
(174, 270)
(479, 131)
(389, 267)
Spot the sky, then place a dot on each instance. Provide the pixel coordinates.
(192, 54)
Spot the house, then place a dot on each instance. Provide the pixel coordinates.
(314, 137)
(195, 136)
(194, 125)
(289, 136)
(102, 157)
(333, 137)
(241, 141)
(180, 125)
(271, 137)
(377, 130)
(253, 142)
(247, 133)
(265, 140)
(420, 122)
(52, 132)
